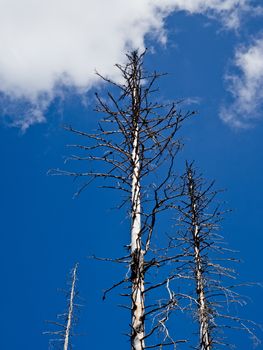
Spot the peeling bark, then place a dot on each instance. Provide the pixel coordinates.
(204, 329)
(201, 299)
(137, 252)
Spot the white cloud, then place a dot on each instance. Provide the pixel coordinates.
(44, 44)
(246, 86)
(228, 11)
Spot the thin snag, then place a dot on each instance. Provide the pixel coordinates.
(61, 338)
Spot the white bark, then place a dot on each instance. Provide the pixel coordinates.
(137, 253)
(203, 320)
(204, 333)
(71, 308)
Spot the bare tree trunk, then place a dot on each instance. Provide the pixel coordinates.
(137, 252)
(203, 320)
(204, 332)
(71, 308)
(64, 332)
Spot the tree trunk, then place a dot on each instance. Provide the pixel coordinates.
(204, 331)
(71, 308)
(137, 252)
(203, 321)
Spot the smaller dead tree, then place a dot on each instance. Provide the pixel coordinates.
(207, 263)
(65, 332)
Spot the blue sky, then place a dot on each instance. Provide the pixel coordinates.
(213, 52)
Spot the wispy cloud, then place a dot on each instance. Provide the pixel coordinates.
(245, 86)
(230, 12)
(46, 44)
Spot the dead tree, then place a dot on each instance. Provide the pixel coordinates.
(65, 331)
(208, 263)
(135, 140)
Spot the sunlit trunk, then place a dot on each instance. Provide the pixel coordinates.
(202, 307)
(204, 333)
(137, 252)
(70, 310)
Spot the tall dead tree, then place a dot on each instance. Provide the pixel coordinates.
(136, 139)
(133, 151)
(208, 263)
(65, 331)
